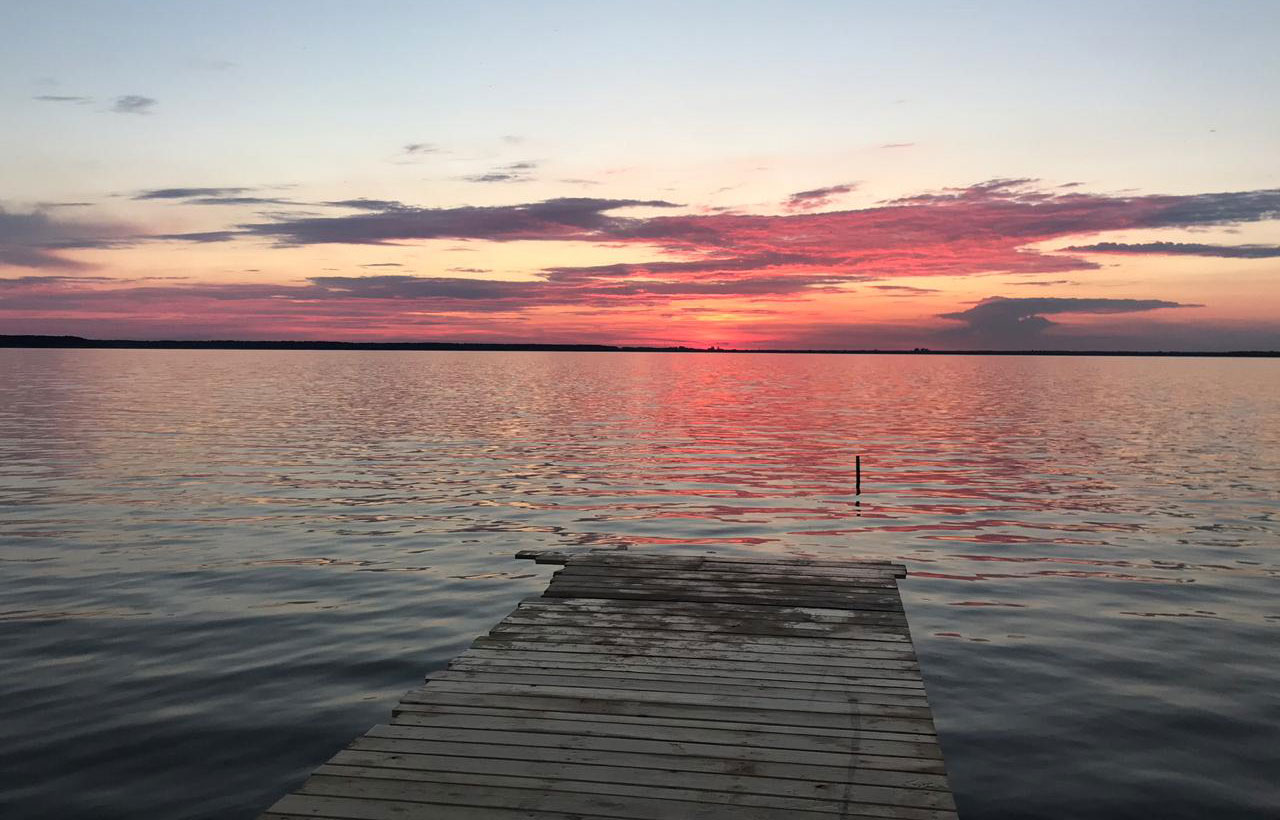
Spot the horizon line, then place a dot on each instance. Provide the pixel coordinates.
(72, 342)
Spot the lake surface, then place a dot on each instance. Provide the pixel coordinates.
(218, 567)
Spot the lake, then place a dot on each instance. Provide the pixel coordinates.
(218, 567)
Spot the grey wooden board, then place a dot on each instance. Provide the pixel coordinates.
(868, 638)
(762, 714)
(780, 617)
(711, 623)
(642, 686)
(623, 617)
(734, 574)
(783, 735)
(892, 657)
(726, 596)
(759, 594)
(378, 799)
(755, 805)
(647, 754)
(726, 571)
(740, 687)
(727, 560)
(727, 632)
(565, 783)
(675, 731)
(726, 584)
(851, 664)
(785, 614)
(764, 594)
(850, 571)
(638, 670)
(705, 561)
(744, 779)
(838, 709)
(726, 564)
(302, 808)
(738, 572)
(905, 772)
(619, 617)
(860, 581)
(711, 628)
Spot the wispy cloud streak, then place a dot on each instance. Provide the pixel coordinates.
(1181, 249)
(817, 197)
(133, 104)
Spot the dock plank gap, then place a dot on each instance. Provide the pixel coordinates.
(661, 687)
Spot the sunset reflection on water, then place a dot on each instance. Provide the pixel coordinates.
(203, 549)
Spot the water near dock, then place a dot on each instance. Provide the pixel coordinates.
(218, 567)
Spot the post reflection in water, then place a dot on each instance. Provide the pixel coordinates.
(219, 566)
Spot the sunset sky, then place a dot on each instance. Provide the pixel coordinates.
(805, 174)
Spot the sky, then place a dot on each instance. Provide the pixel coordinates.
(1084, 175)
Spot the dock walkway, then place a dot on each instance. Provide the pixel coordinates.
(651, 687)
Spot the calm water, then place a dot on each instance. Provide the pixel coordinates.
(217, 567)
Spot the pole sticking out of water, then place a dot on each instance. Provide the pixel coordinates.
(857, 475)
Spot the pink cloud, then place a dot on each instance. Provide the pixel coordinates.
(754, 261)
(817, 197)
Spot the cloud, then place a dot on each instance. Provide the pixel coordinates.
(197, 236)
(1182, 249)
(497, 176)
(46, 281)
(36, 239)
(63, 98)
(817, 197)
(1213, 209)
(188, 193)
(397, 293)
(905, 290)
(15, 282)
(512, 172)
(1002, 320)
(239, 200)
(719, 266)
(133, 104)
(419, 148)
(889, 145)
(1044, 283)
(990, 227)
(444, 292)
(566, 218)
(221, 196)
(363, 204)
(395, 286)
(409, 307)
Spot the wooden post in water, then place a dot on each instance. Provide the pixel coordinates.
(857, 475)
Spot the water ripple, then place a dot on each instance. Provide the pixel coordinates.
(219, 566)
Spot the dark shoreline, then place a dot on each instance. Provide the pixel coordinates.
(31, 341)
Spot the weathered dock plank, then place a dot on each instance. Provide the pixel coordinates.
(645, 686)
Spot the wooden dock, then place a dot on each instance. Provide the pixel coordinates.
(653, 687)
